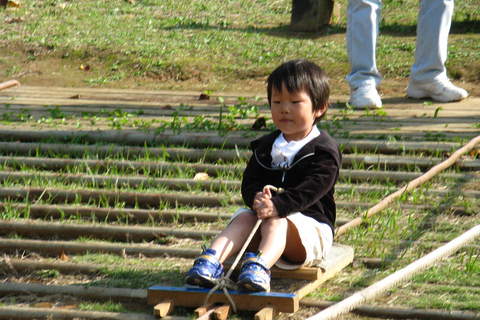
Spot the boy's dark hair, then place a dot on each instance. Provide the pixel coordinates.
(298, 75)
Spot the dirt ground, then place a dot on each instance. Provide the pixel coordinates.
(49, 69)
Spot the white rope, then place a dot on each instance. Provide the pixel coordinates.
(225, 282)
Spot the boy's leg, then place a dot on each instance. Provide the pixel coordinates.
(280, 237)
(207, 267)
(233, 237)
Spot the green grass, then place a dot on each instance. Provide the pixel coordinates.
(216, 42)
(214, 45)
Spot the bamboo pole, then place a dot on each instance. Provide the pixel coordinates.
(72, 230)
(348, 161)
(359, 298)
(453, 159)
(398, 312)
(113, 214)
(391, 281)
(31, 148)
(55, 248)
(89, 292)
(349, 175)
(348, 145)
(130, 199)
(9, 84)
(16, 313)
(57, 211)
(134, 137)
(211, 185)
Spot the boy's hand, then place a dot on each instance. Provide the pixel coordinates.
(264, 206)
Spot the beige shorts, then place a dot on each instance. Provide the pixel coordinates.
(316, 237)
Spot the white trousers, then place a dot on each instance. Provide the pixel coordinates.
(433, 27)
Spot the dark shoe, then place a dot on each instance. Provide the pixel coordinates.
(254, 273)
(206, 270)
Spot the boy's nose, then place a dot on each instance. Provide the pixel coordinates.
(285, 108)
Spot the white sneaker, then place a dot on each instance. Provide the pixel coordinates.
(365, 97)
(443, 91)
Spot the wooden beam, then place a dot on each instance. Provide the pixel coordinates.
(193, 297)
(222, 312)
(344, 258)
(207, 315)
(200, 311)
(267, 313)
(163, 308)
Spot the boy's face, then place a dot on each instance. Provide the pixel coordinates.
(293, 113)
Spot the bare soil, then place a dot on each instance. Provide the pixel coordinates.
(50, 69)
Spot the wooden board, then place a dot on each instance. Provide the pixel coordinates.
(189, 296)
(192, 297)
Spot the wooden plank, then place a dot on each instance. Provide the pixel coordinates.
(222, 312)
(200, 311)
(163, 308)
(341, 258)
(193, 297)
(267, 313)
(207, 315)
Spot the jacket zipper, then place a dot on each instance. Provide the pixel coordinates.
(284, 170)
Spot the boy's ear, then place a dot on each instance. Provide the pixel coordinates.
(321, 110)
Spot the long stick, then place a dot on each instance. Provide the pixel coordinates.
(359, 298)
(389, 282)
(8, 84)
(410, 186)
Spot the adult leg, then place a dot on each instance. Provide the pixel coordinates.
(363, 17)
(428, 75)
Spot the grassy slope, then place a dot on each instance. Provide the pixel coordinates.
(213, 45)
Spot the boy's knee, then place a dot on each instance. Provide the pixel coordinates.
(276, 222)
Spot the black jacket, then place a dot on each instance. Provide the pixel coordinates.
(309, 183)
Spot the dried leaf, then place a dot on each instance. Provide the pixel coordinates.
(63, 256)
(259, 124)
(204, 96)
(201, 176)
(10, 3)
(13, 20)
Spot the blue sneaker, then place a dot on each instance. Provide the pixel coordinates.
(206, 270)
(254, 273)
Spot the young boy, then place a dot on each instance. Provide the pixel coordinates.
(298, 224)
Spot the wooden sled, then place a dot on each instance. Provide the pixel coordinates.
(295, 284)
